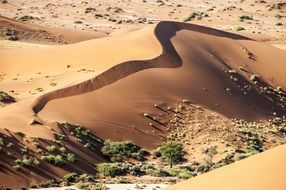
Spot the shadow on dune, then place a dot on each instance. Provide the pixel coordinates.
(169, 58)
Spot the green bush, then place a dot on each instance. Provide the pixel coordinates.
(171, 152)
(25, 161)
(85, 178)
(70, 157)
(75, 178)
(51, 148)
(63, 149)
(119, 151)
(71, 177)
(158, 173)
(50, 183)
(57, 160)
(245, 17)
(181, 173)
(110, 169)
(135, 170)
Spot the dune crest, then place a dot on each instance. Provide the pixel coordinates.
(169, 58)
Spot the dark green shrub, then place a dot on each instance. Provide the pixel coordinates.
(71, 177)
(119, 151)
(50, 183)
(171, 152)
(158, 173)
(85, 178)
(57, 160)
(181, 173)
(245, 17)
(110, 169)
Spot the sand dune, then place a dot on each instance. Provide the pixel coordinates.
(263, 171)
(108, 84)
(198, 54)
(202, 61)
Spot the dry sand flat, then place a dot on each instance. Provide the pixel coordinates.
(263, 171)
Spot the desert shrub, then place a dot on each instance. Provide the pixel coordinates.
(171, 152)
(25, 161)
(210, 151)
(89, 9)
(51, 148)
(135, 170)
(181, 173)
(26, 18)
(71, 177)
(12, 38)
(110, 169)
(158, 173)
(143, 152)
(50, 183)
(62, 149)
(157, 154)
(121, 180)
(119, 151)
(245, 17)
(78, 22)
(196, 15)
(57, 160)
(83, 135)
(75, 178)
(85, 178)
(6, 98)
(239, 28)
(254, 77)
(70, 157)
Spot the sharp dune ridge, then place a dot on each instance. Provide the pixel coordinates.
(169, 58)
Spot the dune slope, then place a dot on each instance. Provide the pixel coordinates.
(263, 171)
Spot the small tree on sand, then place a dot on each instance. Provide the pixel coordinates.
(171, 152)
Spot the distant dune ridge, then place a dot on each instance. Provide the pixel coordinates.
(129, 73)
(40, 34)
